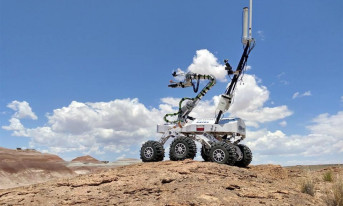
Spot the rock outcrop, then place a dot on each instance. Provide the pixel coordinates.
(175, 183)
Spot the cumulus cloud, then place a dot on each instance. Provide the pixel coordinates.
(204, 62)
(324, 139)
(93, 127)
(328, 124)
(16, 126)
(249, 101)
(22, 110)
(298, 95)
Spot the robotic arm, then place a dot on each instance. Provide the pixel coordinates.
(187, 82)
(183, 113)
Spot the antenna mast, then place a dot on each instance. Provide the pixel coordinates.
(249, 43)
(247, 24)
(250, 20)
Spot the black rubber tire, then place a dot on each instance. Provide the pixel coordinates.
(152, 151)
(188, 146)
(205, 153)
(247, 156)
(226, 152)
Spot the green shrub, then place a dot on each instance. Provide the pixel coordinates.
(307, 187)
(327, 177)
(335, 196)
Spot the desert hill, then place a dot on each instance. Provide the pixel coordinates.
(87, 159)
(177, 183)
(24, 167)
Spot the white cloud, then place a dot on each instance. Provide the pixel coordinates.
(249, 103)
(92, 127)
(308, 93)
(204, 62)
(328, 124)
(16, 126)
(283, 123)
(341, 98)
(324, 139)
(297, 94)
(23, 110)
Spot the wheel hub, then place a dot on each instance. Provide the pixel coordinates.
(180, 149)
(218, 155)
(148, 152)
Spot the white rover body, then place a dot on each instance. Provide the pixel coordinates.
(220, 137)
(230, 126)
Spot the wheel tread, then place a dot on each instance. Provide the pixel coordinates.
(231, 152)
(158, 149)
(247, 156)
(191, 147)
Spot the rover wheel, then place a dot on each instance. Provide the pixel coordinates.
(152, 151)
(205, 153)
(182, 148)
(247, 156)
(223, 153)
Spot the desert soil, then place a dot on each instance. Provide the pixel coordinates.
(177, 183)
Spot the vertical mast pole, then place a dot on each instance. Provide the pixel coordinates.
(250, 20)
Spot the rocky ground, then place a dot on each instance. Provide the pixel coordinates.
(178, 183)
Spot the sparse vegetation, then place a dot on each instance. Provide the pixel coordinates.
(334, 197)
(307, 187)
(327, 177)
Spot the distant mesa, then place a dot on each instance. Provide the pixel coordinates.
(87, 159)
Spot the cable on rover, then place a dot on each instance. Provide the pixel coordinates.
(240, 69)
(183, 112)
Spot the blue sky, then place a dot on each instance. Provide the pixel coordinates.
(70, 68)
